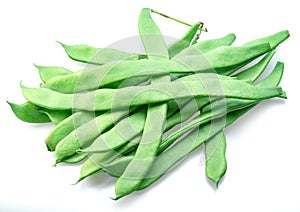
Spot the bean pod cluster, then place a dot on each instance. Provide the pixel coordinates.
(135, 116)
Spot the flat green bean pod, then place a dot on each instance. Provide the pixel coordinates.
(98, 56)
(215, 164)
(274, 40)
(107, 99)
(65, 127)
(48, 72)
(156, 114)
(29, 112)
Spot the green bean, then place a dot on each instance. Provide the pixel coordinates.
(223, 58)
(98, 56)
(56, 116)
(106, 99)
(254, 72)
(29, 112)
(49, 72)
(215, 164)
(145, 153)
(184, 42)
(274, 40)
(208, 45)
(156, 49)
(91, 79)
(65, 127)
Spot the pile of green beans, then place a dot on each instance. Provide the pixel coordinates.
(135, 116)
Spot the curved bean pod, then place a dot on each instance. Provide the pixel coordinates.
(107, 99)
(274, 40)
(29, 112)
(156, 48)
(98, 56)
(184, 42)
(48, 72)
(215, 164)
(66, 127)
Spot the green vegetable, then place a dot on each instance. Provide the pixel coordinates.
(134, 116)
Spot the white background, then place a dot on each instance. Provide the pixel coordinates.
(263, 147)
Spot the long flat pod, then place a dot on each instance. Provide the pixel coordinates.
(183, 42)
(215, 160)
(65, 127)
(49, 72)
(274, 40)
(98, 56)
(107, 99)
(156, 49)
(29, 112)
